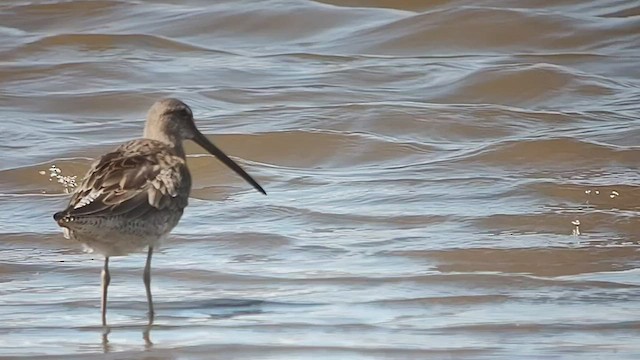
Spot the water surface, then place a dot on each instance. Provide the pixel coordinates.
(424, 162)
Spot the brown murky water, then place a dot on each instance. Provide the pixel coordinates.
(424, 161)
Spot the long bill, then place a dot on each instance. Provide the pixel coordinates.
(213, 150)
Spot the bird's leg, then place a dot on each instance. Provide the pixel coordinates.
(106, 279)
(147, 283)
(106, 347)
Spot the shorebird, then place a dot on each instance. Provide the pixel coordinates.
(132, 197)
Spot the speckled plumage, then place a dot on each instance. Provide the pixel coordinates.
(132, 197)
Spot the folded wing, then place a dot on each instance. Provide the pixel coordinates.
(138, 177)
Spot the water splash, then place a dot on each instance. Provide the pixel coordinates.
(576, 229)
(69, 182)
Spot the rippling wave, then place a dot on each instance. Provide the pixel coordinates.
(446, 179)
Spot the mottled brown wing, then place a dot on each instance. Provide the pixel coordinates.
(139, 176)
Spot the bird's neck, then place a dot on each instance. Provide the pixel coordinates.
(174, 141)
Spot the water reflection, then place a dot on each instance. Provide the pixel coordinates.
(107, 347)
(146, 336)
(180, 311)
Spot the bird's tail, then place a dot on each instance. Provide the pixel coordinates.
(62, 218)
(59, 216)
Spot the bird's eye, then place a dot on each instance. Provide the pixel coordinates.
(184, 112)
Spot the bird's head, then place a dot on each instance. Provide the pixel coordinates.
(171, 121)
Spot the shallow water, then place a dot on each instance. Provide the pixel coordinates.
(424, 163)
